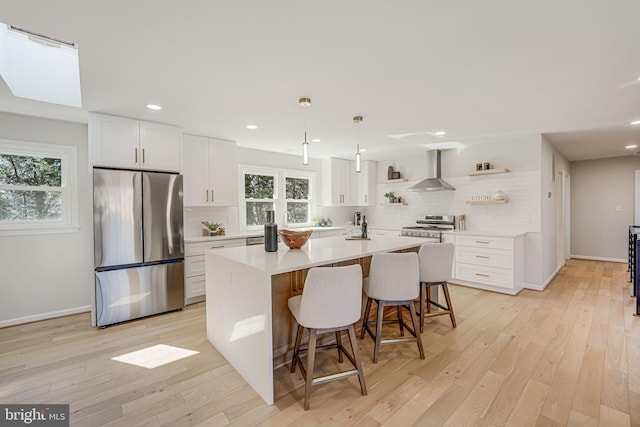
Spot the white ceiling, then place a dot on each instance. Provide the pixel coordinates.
(480, 70)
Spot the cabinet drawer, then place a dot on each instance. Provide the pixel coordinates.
(488, 257)
(192, 249)
(194, 266)
(482, 274)
(484, 242)
(194, 286)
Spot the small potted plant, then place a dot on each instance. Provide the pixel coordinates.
(211, 228)
(390, 196)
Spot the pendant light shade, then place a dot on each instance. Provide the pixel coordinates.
(305, 150)
(357, 120)
(305, 102)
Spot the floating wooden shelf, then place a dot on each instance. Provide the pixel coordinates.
(394, 204)
(488, 172)
(389, 181)
(486, 202)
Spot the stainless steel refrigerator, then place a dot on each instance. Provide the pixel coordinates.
(138, 244)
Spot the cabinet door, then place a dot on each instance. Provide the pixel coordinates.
(160, 147)
(337, 186)
(114, 141)
(195, 169)
(222, 173)
(366, 187)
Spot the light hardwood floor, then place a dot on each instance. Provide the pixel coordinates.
(567, 356)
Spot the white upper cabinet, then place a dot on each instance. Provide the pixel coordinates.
(338, 183)
(209, 170)
(133, 144)
(367, 180)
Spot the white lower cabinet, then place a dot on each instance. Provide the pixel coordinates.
(194, 270)
(377, 232)
(487, 262)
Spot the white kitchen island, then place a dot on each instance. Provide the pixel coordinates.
(248, 321)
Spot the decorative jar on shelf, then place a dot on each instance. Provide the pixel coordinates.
(499, 195)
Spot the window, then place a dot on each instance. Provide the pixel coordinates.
(37, 188)
(259, 196)
(297, 190)
(262, 189)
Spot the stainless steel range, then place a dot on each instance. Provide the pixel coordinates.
(431, 227)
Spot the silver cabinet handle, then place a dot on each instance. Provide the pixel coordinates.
(136, 156)
(483, 275)
(482, 256)
(482, 241)
(143, 156)
(366, 199)
(216, 247)
(207, 192)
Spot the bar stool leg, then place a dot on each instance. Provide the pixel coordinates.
(296, 348)
(356, 356)
(311, 358)
(365, 319)
(399, 310)
(414, 321)
(376, 349)
(423, 293)
(447, 297)
(339, 343)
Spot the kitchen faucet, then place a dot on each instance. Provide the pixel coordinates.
(285, 218)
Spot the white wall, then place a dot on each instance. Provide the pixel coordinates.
(598, 230)
(48, 275)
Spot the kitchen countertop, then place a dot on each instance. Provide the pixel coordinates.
(315, 252)
(508, 234)
(252, 233)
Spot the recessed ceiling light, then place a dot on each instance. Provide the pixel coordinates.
(637, 122)
(252, 127)
(154, 107)
(629, 147)
(315, 140)
(363, 150)
(441, 133)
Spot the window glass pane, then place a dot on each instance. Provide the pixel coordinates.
(30, 170)
(297, 188)
(258, 187)
(298, 212)
(19, 205)
(257, 212)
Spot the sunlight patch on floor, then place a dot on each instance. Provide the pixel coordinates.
(154, 356)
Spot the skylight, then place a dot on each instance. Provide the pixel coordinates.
(38, 67)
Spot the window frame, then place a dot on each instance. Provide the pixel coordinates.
(280, 200)
(68, 188)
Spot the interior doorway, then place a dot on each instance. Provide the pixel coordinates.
(562, 219)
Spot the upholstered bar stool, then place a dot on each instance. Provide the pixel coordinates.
(331, 301)
(436, 261)
(394, 281)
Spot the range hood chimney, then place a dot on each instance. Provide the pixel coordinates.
(433, 182)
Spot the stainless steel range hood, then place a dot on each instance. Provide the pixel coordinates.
(433, 182)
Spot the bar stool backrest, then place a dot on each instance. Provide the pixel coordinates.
(394, 277)
(332, 297)
(436, 261)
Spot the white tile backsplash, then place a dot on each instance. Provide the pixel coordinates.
(194, 216)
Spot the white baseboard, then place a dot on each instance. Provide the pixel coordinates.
(595, 258)
(43, 316)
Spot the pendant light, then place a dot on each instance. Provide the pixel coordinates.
(305, 102)
(357, 120)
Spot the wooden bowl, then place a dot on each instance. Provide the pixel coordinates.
(295, 239)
